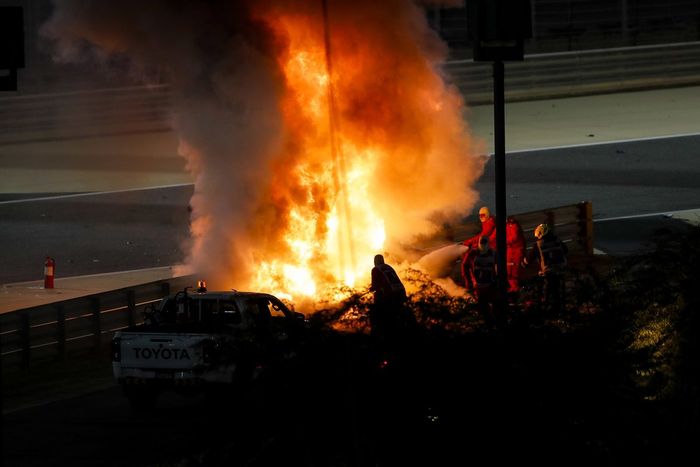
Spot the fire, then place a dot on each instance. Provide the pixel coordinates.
(318, 134)
(334, 227)
(334, 219)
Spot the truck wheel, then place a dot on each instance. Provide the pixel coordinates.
(141, 399)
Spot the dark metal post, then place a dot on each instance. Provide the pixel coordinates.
(498, 29)
(624, 21)
(585, 218)
(499, 123)
(61, 330)
(26, 338)
(131, 307)
(96, 325)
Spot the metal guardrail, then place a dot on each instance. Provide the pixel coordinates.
(567, 74)
(86, 324)
(78, 325)
(114, 111)
(573, 224)
(83, 114)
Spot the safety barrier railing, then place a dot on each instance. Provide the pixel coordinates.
(102, 112)
(573, 224)
(79, 325)
(83, 114)
(85, 324)
(565, 74)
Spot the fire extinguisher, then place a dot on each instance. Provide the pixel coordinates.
(49, 270)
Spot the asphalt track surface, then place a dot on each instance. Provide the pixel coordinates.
(127, 230)
(620, 178)
(94, 233)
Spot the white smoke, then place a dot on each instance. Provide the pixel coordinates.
(227, 86)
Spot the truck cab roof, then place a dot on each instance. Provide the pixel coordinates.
(234, 309)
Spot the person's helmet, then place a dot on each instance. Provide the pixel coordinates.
(541, 230)
(378, 259)
(510, 220)
(483, 244)
(484, 213)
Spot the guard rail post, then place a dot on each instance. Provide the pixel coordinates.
(586, 226)
(84, 313)
(96, 325)
(26, 344)
(61, 330)
(131, 306)
(551, 219)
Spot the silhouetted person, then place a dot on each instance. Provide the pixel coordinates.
(479, 271)
(387, 312)
(550, 254)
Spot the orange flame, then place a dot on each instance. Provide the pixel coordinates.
(318, 133)
(350, 155)
(320, 224)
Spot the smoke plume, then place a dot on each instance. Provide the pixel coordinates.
(297, 118)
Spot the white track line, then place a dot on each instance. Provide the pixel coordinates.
(639, 216)
(172, 267)
(93, 193)
(599, 143)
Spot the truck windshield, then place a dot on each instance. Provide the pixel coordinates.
(199, 309)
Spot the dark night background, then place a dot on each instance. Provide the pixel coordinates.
(612, 381)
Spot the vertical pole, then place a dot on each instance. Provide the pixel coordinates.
(131, 307)
(61, 330)
(96, 325)
(24, 332)
(586, 226)
(499, 123)
(533, 25)
(345, 230)
(624, 22)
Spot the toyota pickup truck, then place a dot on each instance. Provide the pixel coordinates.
(195, 341)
